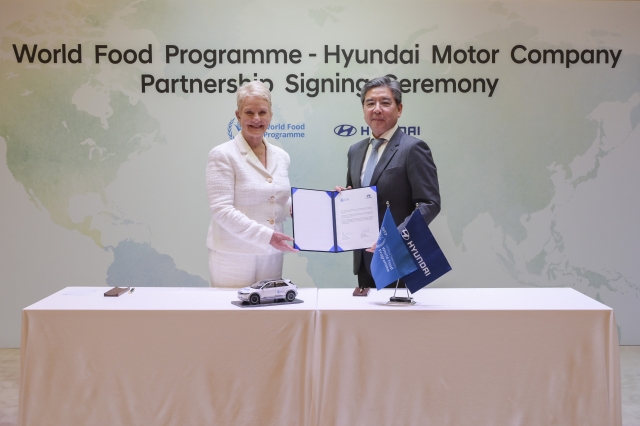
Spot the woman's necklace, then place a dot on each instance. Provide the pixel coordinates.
(264, 163)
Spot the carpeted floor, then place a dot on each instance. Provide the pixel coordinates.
(9, 376)
(630, 372)
(629, 361)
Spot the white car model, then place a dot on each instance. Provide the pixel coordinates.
(269, 290)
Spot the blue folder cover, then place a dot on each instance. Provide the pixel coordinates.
(332, 194)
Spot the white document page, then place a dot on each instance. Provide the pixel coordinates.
(312, 220)
(357, 218)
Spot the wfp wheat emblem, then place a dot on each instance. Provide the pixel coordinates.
(233, 128)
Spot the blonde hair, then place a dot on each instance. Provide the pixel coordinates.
(253, 88)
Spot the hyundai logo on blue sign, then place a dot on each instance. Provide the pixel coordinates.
(345, 130)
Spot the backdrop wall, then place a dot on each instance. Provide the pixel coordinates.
(109, 109)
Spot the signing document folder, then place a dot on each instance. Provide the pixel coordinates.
(333, 221)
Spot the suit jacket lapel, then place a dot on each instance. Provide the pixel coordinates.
(357, 162)
(248, 153)
(387, 155)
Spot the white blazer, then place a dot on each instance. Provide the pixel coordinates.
(247, 201)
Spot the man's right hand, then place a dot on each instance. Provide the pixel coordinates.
(341, 188)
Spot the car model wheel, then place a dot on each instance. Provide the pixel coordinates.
(254, 299)
(291, 296)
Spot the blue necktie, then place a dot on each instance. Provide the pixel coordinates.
(373, 160)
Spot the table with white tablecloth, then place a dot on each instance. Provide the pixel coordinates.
(528, 356)
(165, 356)
(187, 356)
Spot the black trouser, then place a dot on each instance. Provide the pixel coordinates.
(365, 280)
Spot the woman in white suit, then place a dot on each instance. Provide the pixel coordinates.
(249, 197)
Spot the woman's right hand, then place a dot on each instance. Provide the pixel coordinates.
(279, 242)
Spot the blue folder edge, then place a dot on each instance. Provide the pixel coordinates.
(333, 195)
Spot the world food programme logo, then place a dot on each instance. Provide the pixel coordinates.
(405, 235)
(345, 130)
(233, 128)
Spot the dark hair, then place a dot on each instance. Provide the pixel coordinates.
(384, 81)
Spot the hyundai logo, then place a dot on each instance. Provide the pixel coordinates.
(345, 130)
(405, 235)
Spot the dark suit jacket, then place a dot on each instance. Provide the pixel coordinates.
(405, 175)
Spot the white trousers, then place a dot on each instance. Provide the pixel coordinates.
(233, 270)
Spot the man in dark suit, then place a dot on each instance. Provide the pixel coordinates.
(399, 165)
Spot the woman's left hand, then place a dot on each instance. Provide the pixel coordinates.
(279, 242)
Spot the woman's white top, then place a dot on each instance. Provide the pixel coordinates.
(247, 201)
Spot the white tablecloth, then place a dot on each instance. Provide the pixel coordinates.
(466, 357)
(165, 357)
(190, 357)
